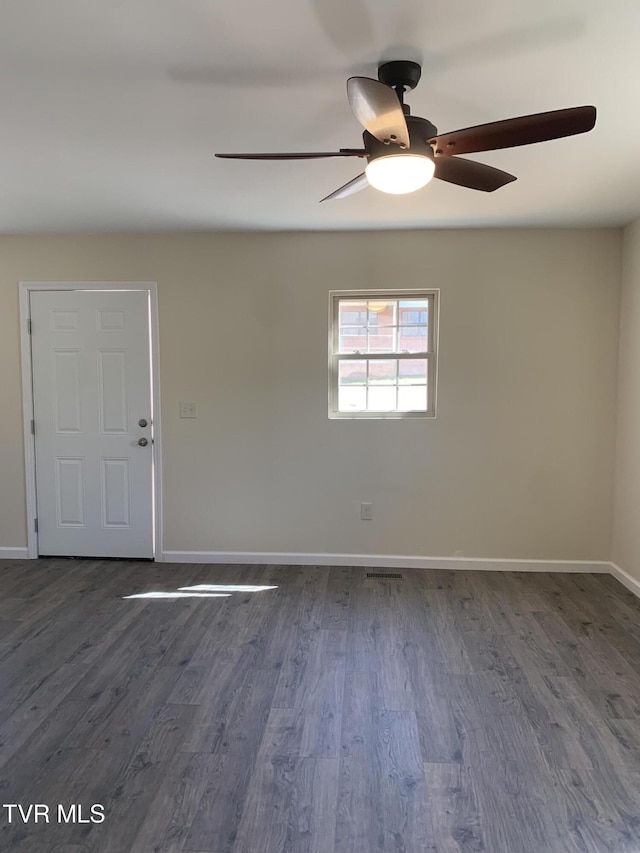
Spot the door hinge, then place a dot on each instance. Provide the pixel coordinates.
(35, 524)
(33, 427)
(29, 326)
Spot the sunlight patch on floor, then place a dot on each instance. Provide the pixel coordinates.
(203, 590)
(226, 587)
(178, 595)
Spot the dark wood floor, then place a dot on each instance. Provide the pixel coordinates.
(447, 711)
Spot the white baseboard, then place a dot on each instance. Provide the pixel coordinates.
(376, 561)
(381, 561)
(14, 553)
(625, 579)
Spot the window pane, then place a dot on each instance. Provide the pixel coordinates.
(358, 318)
(357, 325)
(352, 398)
(384, 312)
(413, 339)
(412, 398)
(383, 325)
(385, 385)
(353, 339)
(382, 398)
(412, 371)
(352, 391)
(352, 373)
(384, 340)
(380, 306)
(414, 304)
(413, 332)
(351, 312)
(383, 372)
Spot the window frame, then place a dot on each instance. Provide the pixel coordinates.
(432, 295)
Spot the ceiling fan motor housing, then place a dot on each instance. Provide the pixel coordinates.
(400, 73)
(420, 132)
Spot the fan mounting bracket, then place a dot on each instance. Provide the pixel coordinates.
(400, 73)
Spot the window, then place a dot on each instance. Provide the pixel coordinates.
(382, 354)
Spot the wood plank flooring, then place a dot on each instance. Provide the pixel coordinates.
(446, 711)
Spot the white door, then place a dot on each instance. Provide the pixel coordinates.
(92, 421)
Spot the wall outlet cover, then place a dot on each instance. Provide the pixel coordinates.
(188, 410)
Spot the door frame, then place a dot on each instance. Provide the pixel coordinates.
(25, 288)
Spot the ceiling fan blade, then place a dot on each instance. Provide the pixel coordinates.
(378, 109)
(352, 187)
(468, 173)
(511, 132)
(311, 155)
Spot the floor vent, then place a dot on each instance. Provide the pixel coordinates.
(383, 575)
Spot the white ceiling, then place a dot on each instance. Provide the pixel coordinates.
(111, 110)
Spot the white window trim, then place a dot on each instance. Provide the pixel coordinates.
(433, 294)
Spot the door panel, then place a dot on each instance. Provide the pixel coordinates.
(91, 386)
(69, 487)
(66, 388)
(116, 488)
(112, 391)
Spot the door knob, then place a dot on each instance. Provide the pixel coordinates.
(143, 442)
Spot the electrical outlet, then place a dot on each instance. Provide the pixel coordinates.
(188, 410)
(366, 512)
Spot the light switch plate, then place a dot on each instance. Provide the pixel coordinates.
(188, 410)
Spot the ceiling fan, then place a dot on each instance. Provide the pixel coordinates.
(405, 152)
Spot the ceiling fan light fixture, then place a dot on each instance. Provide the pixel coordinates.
(400, 173)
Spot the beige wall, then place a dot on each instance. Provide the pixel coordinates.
(517, 464)
(626, 526)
